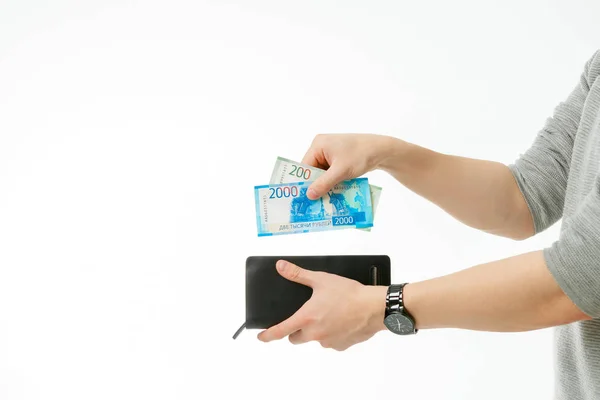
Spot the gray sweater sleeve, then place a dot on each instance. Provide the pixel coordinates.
(574, 260)
(541, 173)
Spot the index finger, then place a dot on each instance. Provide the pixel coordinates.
(314, 155)
(310, 159)
(283, 329)
(315, 158)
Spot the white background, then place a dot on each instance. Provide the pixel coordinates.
(132, 134)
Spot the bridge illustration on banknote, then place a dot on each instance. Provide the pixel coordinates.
(302, 209)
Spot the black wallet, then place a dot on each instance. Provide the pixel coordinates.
(271, 298)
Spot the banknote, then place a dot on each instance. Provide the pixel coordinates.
(288, 171)
(284, 208)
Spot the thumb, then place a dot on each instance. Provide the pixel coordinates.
(326, 182)
(294, 273)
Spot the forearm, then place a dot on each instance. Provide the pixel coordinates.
(482, 194)
(510, 295)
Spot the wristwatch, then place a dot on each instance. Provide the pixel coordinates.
(397, 319)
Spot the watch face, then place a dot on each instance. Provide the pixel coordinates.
(399, 324)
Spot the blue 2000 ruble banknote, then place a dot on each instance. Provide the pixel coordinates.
(285, 208)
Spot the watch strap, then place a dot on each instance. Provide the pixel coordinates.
(394, 301)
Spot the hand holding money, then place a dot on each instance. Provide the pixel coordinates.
(344, 156)
(288, 171)
(303, 198)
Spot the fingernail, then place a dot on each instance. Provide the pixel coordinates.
(281, 265)
(311, 193)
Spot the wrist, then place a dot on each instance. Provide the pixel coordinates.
(418, 298)
(392, 153)
(410, 299)
(375, 299)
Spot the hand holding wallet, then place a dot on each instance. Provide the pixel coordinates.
(271, 298)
